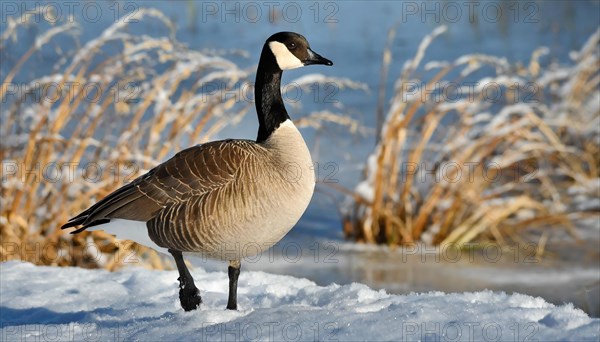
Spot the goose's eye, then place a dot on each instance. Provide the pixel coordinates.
(292, 46)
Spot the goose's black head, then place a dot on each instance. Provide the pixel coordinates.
(282, 51)
(291, 50)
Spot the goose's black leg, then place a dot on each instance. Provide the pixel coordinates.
(189, 295)
(234, 273)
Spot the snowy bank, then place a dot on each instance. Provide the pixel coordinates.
(51, 303)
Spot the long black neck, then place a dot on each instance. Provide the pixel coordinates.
(267, 95)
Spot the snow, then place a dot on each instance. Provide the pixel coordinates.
(50, 303)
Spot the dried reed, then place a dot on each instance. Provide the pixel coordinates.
(459, 166)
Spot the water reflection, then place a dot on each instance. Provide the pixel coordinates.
(567, 273)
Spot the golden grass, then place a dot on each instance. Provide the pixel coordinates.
(502, 166)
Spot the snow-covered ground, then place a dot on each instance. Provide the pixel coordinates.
(57, 304)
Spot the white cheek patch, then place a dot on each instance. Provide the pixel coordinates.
(285, 59)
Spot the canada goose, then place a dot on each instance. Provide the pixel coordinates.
(225, 199)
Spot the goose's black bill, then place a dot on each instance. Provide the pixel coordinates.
(315, 58)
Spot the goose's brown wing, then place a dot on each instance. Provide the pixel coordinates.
(190, 173)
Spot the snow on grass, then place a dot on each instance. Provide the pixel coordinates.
(50, 303)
